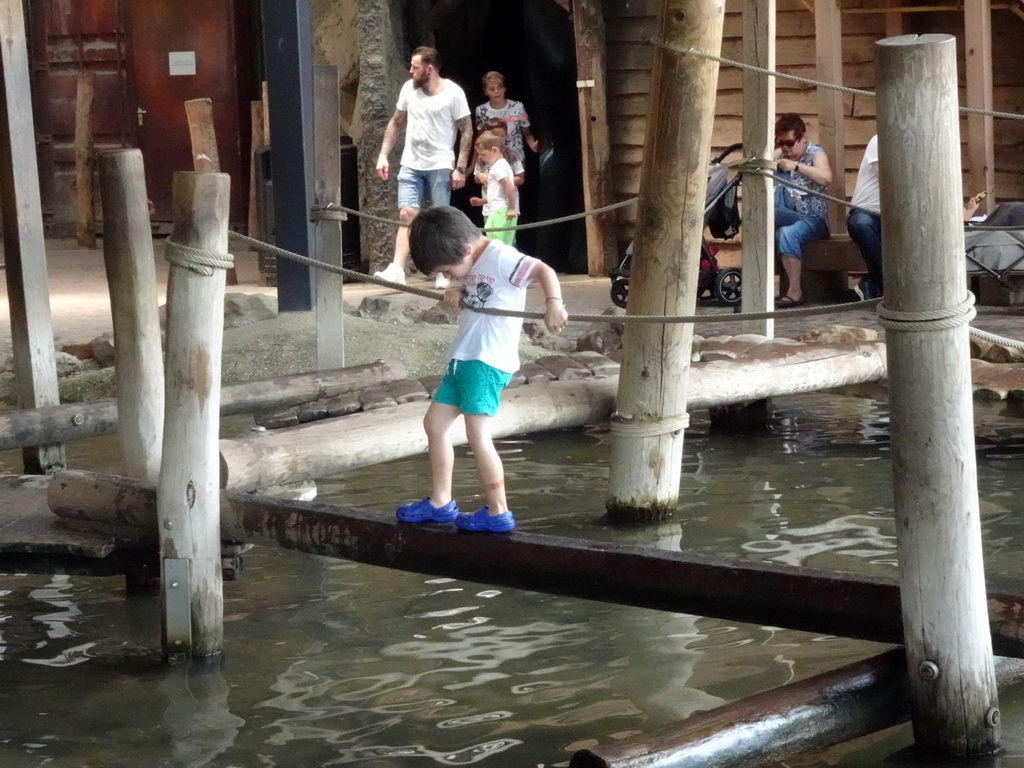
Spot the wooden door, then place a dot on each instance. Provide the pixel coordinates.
(181, 50)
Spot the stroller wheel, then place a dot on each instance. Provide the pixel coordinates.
(727, 286)
(620, 290)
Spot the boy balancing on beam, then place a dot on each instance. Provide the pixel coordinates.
(481, 360)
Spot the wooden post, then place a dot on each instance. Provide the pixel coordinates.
(28, 295)
(188, 489)
(256, 143)
(828, 44)
(330, 310)
(980, 136)
(758, 142)
(588, 26)
(647, 428)
(265, 100)
(131, 276)
(85, 209)
(205, 156)
(949, 650)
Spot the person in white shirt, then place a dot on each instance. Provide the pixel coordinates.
(432, 110)
(501, 201)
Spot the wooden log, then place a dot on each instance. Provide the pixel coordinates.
(935, 485)
(828, 56)
(256, 143)
(131, 277)
(85, 204)
(802, 598)
(76, 421)
(35, 369)
(647, 429)
(588, 28)
(331, 446)
(330, 309)
(776, 725)
(980, 128)
(758, 141)
(187, 499)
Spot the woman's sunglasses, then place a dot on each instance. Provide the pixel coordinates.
(787, 143)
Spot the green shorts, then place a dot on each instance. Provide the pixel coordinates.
(472, 387)
(497, 219)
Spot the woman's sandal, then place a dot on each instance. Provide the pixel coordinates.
(788, 302)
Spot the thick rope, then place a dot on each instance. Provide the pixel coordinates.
(624, 424)
(928, 320)
(329, 212)
(197, 260)
(807, 81)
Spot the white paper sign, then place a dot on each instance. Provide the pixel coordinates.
(182, 62)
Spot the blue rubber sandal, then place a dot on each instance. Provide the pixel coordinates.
(481, 520)
(424, 512)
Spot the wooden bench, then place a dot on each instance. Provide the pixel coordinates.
(828, 267)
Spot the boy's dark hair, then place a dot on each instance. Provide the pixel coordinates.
(438, 238)
(429, 56)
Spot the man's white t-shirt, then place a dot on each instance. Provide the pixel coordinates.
(497, 280)
(865, 193)
(495, 194)
(430, 128)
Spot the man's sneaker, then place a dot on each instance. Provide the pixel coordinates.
(441, 282)
(859, 290)
(393, 273)
(482, 521)
(424, 512)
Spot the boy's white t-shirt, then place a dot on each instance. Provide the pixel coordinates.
(430, 125)
(495, 194)
(497, 280)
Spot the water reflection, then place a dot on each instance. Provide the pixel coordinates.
(196, 715)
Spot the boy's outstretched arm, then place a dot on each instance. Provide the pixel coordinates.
(555, 316)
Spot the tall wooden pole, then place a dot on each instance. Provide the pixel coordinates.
(949, 649)
(85, 163)
(588, 28)
(981, 149)
(330, 310)
(647, 428)
(828, 45)
(758, 142)
(188, 493)
(131, 277)
(28, 290)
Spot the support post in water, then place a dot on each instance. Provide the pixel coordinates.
(131, 278)
(945, 624)
(188, 493)
(647, 428)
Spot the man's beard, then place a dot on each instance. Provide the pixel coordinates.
(419, 82)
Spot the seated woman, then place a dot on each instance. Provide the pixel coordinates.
(799, 216)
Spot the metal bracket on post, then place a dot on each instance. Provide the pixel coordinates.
(177, 606)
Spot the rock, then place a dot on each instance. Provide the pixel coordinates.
(440, 314)
(244, 308)
(81, 351)
(838, 334)
(103, 349)
(600, 340)
(67, 364)
(542, 337)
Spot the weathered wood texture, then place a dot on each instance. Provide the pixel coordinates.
(325, 448)
(131, 278)
(330, 309)
(759, 141)
(75, 421)
(188, 487)
(981, 148)
(35, 368)
(201, 130)
(802, 598)
(935, 485)
(256, 143)
(828, 57)
(647, 428)
(85, 204)
(782, 723)
(589, 33)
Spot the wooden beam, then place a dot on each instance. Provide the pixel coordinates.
(35, 369)
(256, 143)
(201, 130)
(85, 207)
(981, 150)
(802, 598)
(828, 47)
(588, 26)
(758, 142)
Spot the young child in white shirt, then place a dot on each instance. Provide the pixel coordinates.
(501, 200)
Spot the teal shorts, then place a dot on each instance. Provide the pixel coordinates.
(497, 219)
(472, 387)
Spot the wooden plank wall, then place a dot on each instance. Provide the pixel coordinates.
(630, 24)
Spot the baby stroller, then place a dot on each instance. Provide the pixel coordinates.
(722, 218)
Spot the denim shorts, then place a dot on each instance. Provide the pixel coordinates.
(472, 387)
(413, 185)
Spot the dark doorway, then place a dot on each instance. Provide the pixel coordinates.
(532, 44)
